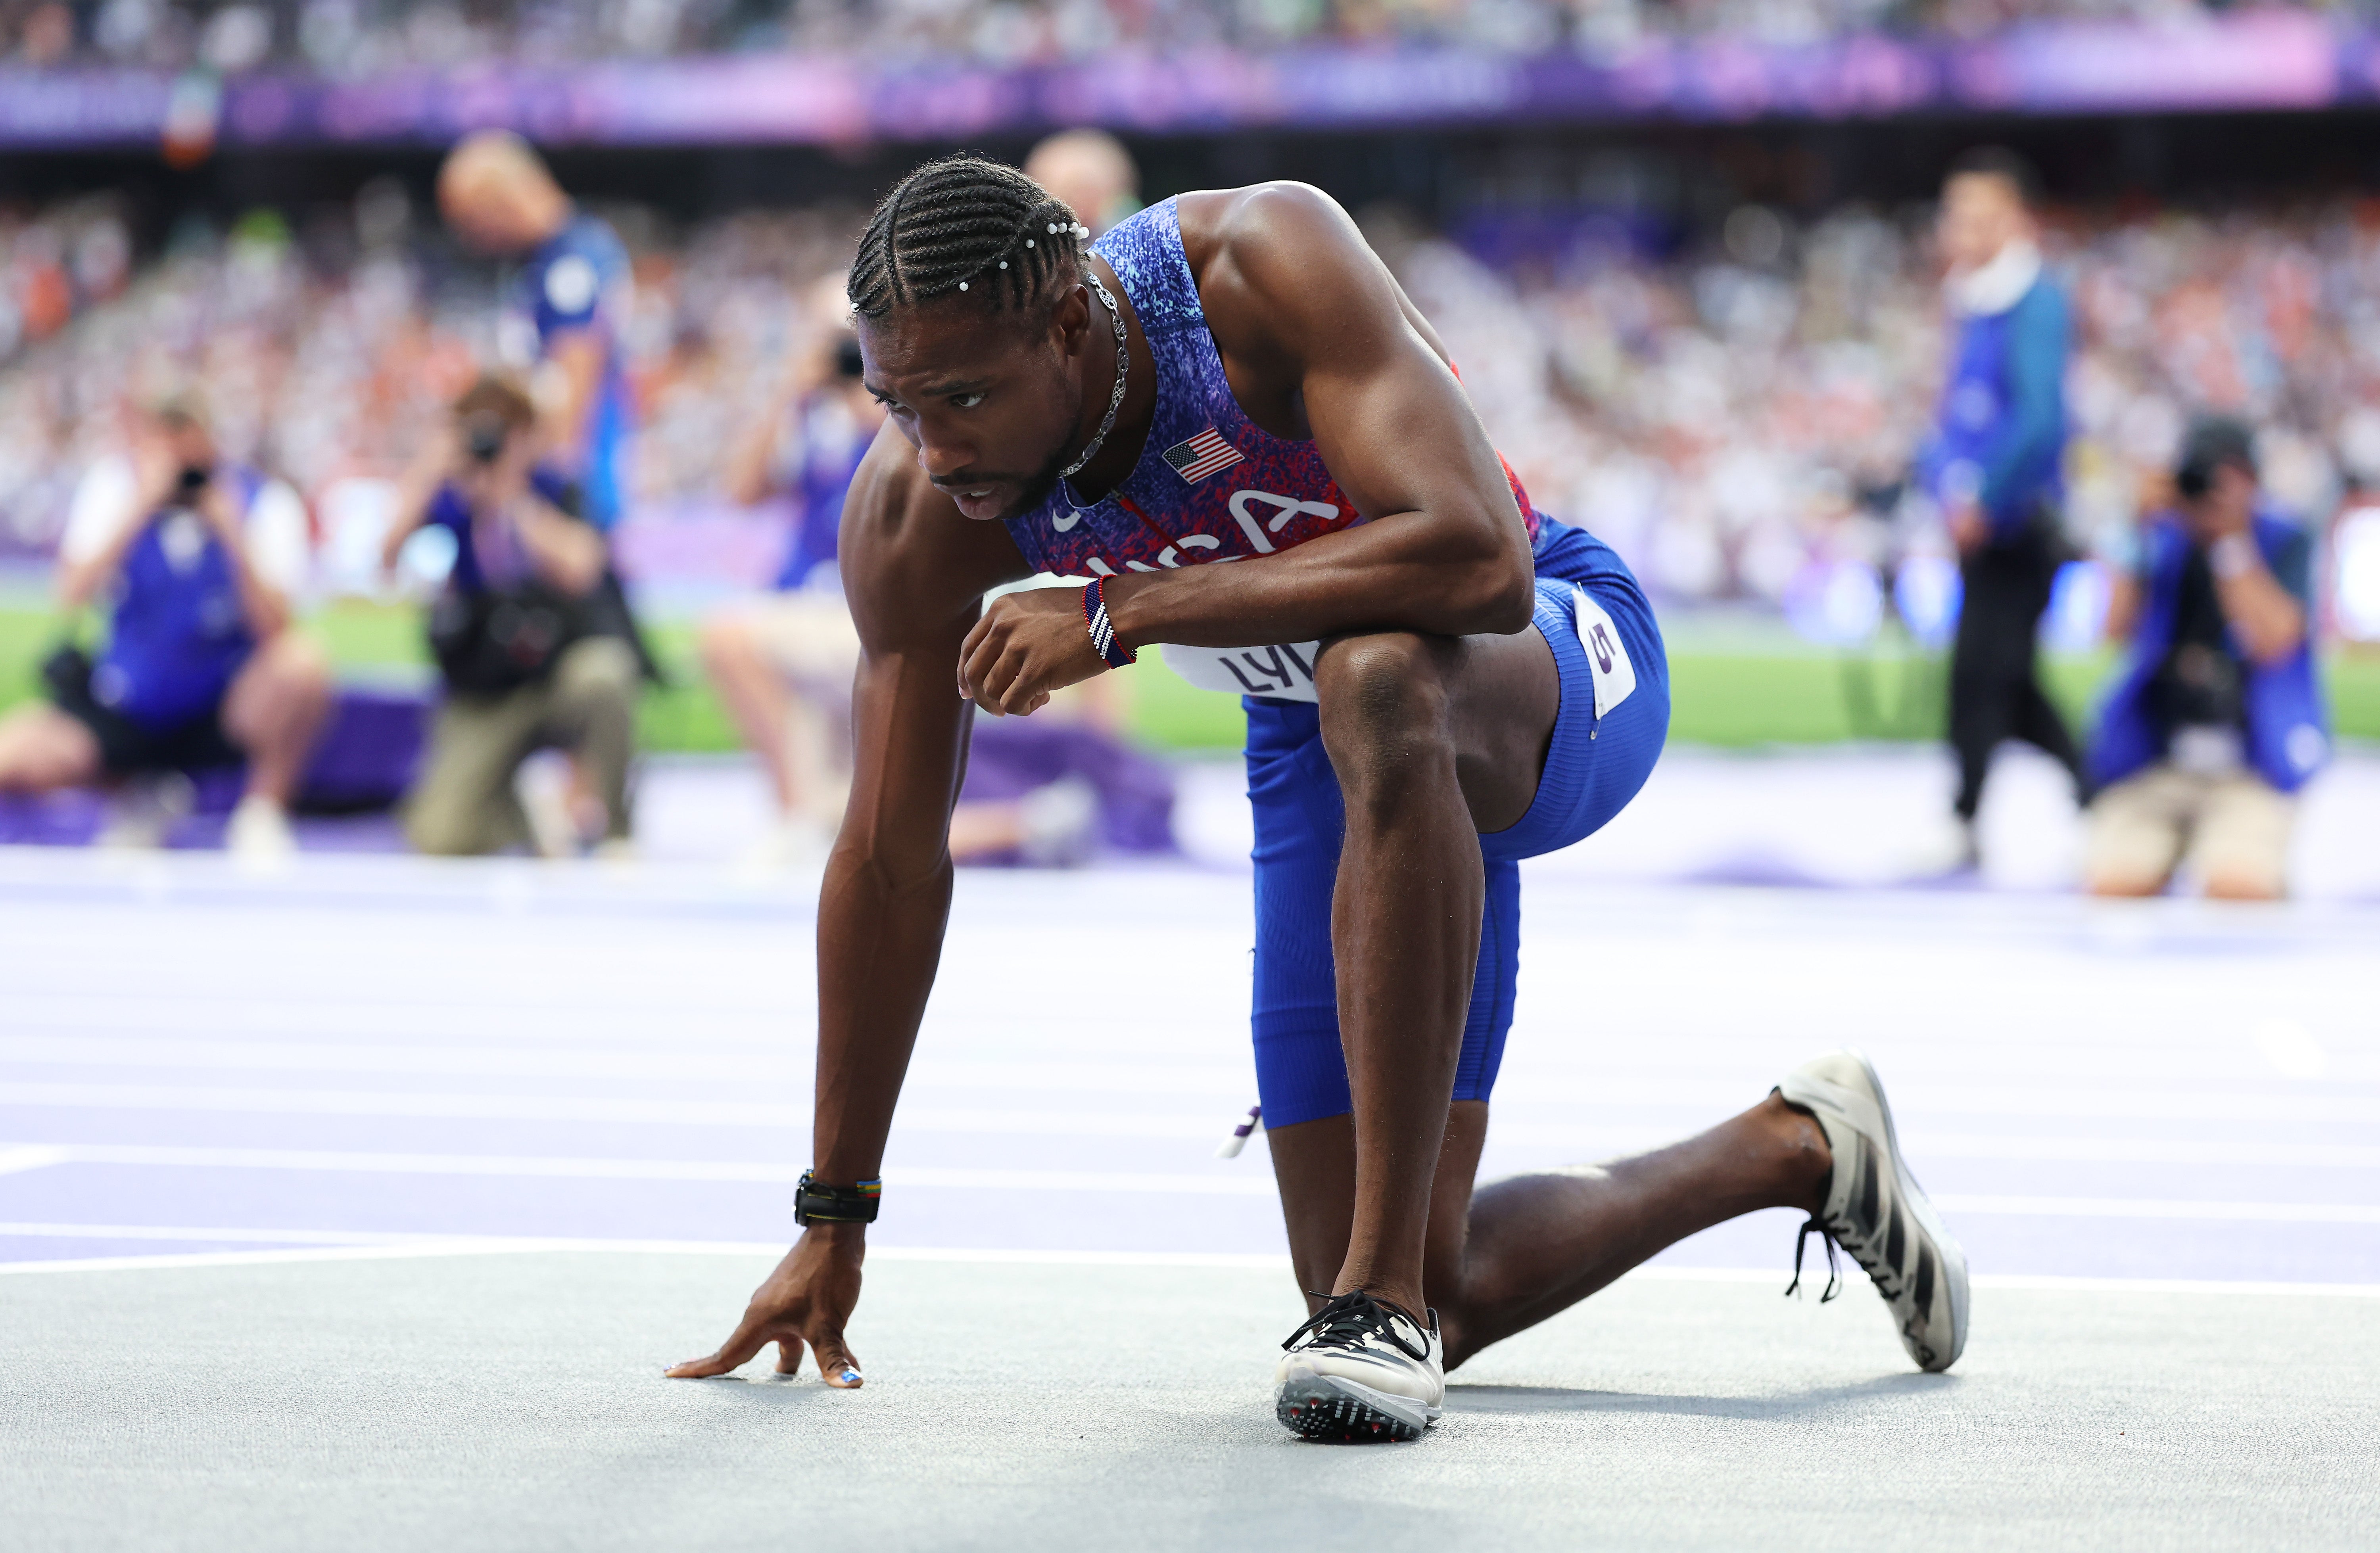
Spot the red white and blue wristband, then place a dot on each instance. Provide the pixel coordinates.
(1103, 637)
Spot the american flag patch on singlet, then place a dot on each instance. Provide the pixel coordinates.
(1202, 456)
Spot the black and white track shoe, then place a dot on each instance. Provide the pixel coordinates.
(1877, 1211)
(1361, 1370)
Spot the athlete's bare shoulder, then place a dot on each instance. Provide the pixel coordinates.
(1284, 275)
(912, 564)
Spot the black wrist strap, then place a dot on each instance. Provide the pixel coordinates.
(815, 1203)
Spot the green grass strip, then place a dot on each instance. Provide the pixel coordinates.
(1735, 698)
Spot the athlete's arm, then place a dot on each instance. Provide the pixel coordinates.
(1319, 342)
(915, 571)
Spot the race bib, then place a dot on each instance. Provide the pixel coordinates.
(1607, 659)
(1285, 674)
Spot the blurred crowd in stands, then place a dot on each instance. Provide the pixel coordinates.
(358, 37)
(1723, 415)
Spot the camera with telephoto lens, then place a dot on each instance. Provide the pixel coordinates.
(484, 436)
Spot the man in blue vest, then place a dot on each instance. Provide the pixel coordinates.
(198, 559)
(1994, 465)
(2218, 719)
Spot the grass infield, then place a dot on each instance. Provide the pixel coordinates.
(1725, 693)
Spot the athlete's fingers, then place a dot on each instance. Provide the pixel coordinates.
(975, 671)
(1013, 686)
(975, 633)
(992, 673)
(836, 1360)
(749, 1338)
(789, 1356)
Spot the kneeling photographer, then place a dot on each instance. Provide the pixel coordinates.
(533, 639)
(197, 560)
(2219, 721)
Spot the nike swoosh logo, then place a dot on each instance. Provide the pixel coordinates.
(1065, 522)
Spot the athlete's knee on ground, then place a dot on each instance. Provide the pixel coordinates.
(1384, 705)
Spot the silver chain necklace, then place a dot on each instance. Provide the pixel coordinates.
(1115, 396)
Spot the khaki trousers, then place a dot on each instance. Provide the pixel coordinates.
(2234, 829)
(464, 804)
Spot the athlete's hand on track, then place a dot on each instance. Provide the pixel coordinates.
(1026, 645)
(806, 1299)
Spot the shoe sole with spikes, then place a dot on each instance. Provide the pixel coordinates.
(1333, 1409)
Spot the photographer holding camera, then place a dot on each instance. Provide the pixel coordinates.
(2218, 719)
(198, 558)
(533, 652)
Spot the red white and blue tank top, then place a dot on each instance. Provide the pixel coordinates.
(1210, 485)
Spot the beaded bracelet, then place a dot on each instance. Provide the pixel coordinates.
(1103, 637)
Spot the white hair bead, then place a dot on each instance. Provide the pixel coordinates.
(961, 286)
(1053, 229)
(1028, 242)
(1003, 263)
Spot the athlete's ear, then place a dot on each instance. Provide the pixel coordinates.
(1069, 319)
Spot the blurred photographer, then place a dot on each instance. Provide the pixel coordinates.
(198, 559)
(2218, 719)
(783, 662)
(531, 653)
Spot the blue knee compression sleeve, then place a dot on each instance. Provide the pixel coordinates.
(1599, 758)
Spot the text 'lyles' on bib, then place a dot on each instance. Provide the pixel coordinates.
(1285, 672)
(1606, 656)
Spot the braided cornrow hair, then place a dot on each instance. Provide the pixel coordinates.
(964, 224)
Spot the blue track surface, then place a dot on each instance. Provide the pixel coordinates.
(194, 1061)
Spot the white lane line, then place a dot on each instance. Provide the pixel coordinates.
(1923, 1146)
(362, 1102)
(1239, 1183)
(1584, 1136)
(596, 1109)
(479, 1246)
(244, 1258)
(779, 1060)
(2156, 1207)
(1174, 1081)
(2226, 1150)
(27, 1157)
(45, 1230)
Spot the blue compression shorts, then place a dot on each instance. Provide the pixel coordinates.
(1593, 767)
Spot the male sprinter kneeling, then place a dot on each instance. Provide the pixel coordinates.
(1442, 682)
